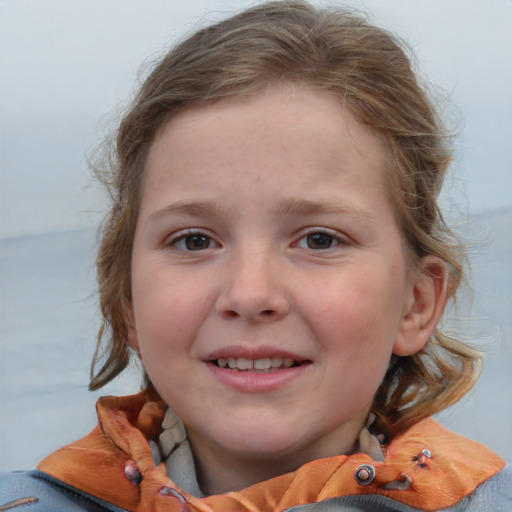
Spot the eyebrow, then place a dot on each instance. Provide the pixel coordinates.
(301, 207)
(194, 209)
(306, 207)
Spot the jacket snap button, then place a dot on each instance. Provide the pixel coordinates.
(132, 473)
(364, 474)
(423, 457)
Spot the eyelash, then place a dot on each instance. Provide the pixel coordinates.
(183, 236)
(333, 236)
(330, 236)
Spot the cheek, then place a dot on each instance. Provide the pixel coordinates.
(359, 320)
(168, 314)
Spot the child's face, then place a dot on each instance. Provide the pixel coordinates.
(266, 237)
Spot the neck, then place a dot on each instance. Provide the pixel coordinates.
(220, 471)
(219, 475)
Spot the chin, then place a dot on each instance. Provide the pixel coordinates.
(260, 443)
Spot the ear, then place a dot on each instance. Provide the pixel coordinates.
(426, 299)
(131, 330)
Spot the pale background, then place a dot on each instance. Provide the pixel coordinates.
(67, 67)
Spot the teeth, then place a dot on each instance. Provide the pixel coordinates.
(263, 364)
(244, 364)
(277, 362)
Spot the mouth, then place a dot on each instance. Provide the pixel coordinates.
(262, 365)
(262, 369)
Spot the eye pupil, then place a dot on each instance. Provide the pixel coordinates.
(197, 242)
(319, 241)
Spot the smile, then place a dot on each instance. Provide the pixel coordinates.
(263, 365)
(257, 372)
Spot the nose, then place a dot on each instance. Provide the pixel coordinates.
(253, 288)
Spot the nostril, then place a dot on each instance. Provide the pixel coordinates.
(265, 313)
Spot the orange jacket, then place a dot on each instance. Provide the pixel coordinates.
(427, 468)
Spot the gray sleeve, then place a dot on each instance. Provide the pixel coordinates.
(494, 495)
(34, 491)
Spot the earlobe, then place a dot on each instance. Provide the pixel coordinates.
(427, 297)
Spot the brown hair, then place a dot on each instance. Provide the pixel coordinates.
(368, 69)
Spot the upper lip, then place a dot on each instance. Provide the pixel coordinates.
(253, 353)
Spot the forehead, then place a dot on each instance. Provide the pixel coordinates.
(278, 115)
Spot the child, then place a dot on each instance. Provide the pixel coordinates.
(276, 258)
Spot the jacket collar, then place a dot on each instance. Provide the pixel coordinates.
(427, 468)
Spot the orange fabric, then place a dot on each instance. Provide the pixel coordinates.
(96, 465)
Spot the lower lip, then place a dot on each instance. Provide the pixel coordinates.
(256, 382)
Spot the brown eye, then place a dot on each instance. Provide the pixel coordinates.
(319, 241)
(193, 242)
(197, 242)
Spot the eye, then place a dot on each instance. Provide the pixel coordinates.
(193, 242)
(318, 241)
